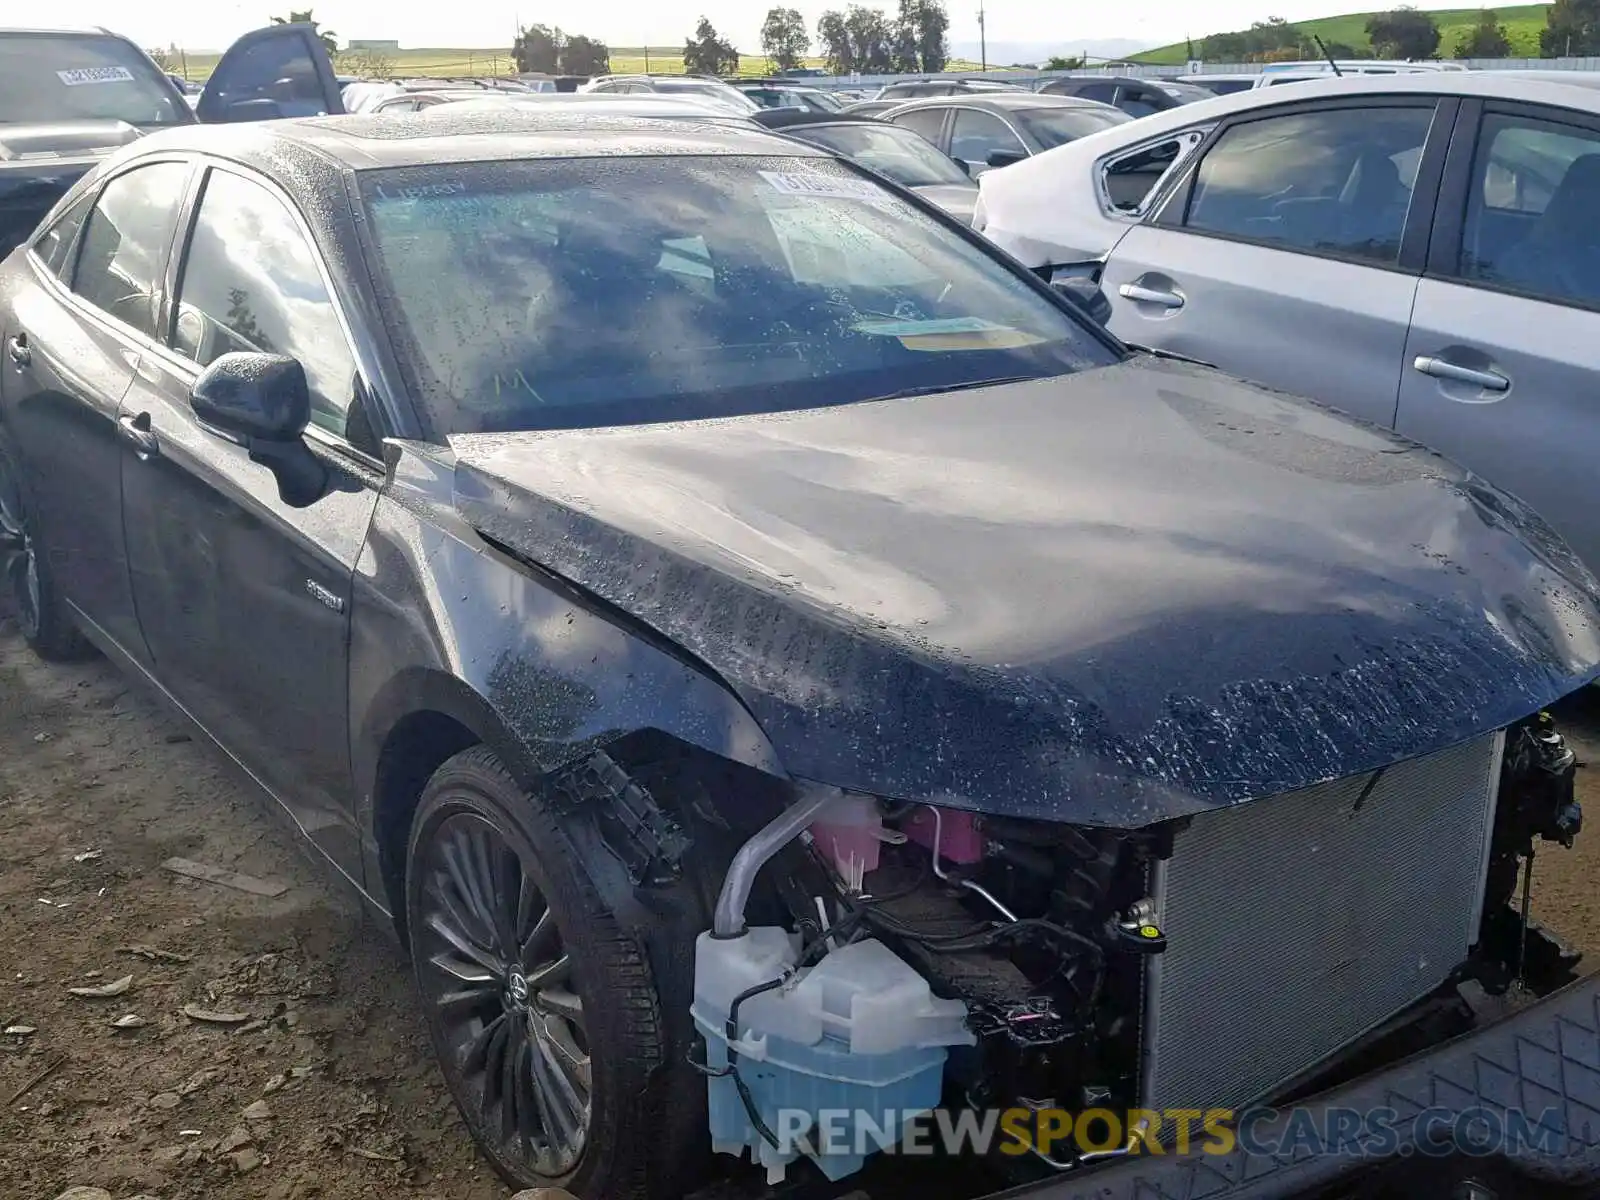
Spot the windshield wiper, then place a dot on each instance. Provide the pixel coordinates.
(936, 388)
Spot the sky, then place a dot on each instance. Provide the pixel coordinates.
(211, 24)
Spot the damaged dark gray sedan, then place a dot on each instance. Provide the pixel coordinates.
(783, 670)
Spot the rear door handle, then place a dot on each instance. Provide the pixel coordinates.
(1439, 368)
(135, 430)
(1144, 295)
(17, 350)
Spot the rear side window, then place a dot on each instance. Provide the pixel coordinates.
(124, 253)
(1103, 92)
(1140, 102)
(1333, 182)
(976, 135)
(1532, 210)
(929, 122)
(1131, 178)
(55, 244)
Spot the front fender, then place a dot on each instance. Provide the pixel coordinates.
(541, 672)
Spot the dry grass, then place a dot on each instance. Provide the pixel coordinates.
(625, 60)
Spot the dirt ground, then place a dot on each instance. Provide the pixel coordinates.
(327, 1089)
(98, 786)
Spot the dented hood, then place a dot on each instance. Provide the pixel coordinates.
(1109, 598)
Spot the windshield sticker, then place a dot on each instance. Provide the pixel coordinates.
(805, 183)
(950, 333)
(81, 75)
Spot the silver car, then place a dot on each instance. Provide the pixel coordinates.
(1420, 250)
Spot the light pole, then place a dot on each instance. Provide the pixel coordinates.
(983, 39)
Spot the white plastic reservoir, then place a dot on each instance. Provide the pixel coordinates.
(835, 1061)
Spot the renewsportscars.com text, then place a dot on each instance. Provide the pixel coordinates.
(1369, 1133)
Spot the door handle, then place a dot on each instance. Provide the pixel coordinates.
(135, 430)
(17, 350)
(1144, 295)
(1439, 368)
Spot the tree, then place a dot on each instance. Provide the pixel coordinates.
(1486, 39)
(1403, 33)
(161, 58)
(708, 53)
(934, 35)
(538, 48)
(871, 39)
(369, 64)
(906, 53)
(1262, 41)
(835, 38)
(585, 56)
(329, 39)
(784, 38)
(1571, 27)
(1071, 62)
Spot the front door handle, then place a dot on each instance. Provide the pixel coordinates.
(1143, 295)
(1439, 368)
(17, 350)
(135, 430)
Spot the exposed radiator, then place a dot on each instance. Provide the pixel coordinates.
(1297, 923)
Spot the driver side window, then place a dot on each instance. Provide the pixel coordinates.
(1334, 182)
(251, 282)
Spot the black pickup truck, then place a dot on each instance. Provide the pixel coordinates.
(70, 97)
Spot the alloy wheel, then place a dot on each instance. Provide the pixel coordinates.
(19, 566)
(500, 986)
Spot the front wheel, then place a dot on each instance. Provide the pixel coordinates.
(542, 1010)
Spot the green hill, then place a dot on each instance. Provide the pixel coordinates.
(1522, 22)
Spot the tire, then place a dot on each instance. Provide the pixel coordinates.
(476, 831)
(27, 585)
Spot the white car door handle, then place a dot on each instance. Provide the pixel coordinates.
(1489, 381)
(1144, 295)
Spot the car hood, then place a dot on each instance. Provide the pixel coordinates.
(957, 199)
(1109, 598)
(84, 140)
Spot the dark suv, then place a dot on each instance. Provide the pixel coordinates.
(70, 96)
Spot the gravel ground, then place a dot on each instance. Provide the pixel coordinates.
(326, 1087)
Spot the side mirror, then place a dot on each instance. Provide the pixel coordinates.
(1086, 297)
(262, 402)
(1005, 158)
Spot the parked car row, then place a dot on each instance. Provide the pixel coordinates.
(766, 652)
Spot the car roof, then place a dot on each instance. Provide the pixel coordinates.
(73, 30)
(369, 142)
(1563, 89)
(1001, 100)
(1088, 77)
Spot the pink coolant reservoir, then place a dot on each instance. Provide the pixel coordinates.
(850, 832)
(955, 832)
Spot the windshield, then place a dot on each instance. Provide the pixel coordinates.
(55, 77)
(591, 292)
(905, 157)
(1055, 126)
